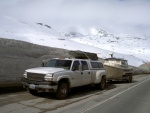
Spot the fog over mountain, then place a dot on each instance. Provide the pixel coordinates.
(99, 26)
(114, 16)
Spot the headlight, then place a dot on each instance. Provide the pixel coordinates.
(25, 74)
(48, 77)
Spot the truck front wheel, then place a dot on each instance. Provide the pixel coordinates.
(62, 91)
(33, 92)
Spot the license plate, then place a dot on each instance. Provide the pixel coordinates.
(32, 86)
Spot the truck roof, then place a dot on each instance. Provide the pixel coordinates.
(76, 59)
(83, 55)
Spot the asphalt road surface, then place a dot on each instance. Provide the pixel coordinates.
(118, 97)
(135, 99)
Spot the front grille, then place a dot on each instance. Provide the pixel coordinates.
(35, 76)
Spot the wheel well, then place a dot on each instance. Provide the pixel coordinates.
(66, 80)
(104, 76)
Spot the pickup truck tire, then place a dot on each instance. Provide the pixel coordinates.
(33, 92)
(62, 91)
(102, 83)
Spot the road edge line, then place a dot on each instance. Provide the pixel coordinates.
(113, 96)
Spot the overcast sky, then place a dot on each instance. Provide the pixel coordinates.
(118, 16)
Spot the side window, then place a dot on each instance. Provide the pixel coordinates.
(75, 65)
(84, 65)
(96, 65)
(124, 62)
(100, 65)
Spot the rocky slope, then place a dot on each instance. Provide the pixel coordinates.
(16, 56)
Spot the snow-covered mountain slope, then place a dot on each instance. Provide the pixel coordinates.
(120, 43)
(43, 34)
(24, 30)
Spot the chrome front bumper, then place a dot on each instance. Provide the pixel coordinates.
(36, 85)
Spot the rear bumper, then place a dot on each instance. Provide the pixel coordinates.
(36, 85)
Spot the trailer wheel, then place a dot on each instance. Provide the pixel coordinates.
(129, 79)
(62, 91)
(102, 83)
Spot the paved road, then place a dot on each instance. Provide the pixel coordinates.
(117, 98)
(135, 99)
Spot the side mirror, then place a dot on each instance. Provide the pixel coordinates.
(77, 68)
(43, 64)
(73, 68)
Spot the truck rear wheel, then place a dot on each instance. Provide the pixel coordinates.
(62, 91)
(102, 83)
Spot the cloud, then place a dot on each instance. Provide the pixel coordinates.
(121, 16)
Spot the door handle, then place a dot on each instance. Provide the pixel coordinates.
(81, 73)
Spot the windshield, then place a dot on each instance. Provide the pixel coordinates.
(59, 63)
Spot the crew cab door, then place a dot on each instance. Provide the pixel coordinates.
(86, 73)
(76, 76)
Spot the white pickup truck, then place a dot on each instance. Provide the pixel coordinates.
(60, 75)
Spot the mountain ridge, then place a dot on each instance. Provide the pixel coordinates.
(43, 34)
